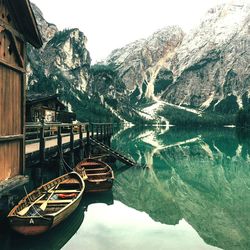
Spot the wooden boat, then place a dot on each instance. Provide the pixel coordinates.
(48, 205)
(98, 175)
(55, 238)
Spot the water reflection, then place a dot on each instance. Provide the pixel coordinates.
(56, 238)
(121, 227)
(202, 176)
(196, 195)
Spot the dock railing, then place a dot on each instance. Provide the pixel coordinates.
(41, 132)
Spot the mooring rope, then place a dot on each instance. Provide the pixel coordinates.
(65, 163)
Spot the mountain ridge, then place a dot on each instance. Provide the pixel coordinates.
(204, 70)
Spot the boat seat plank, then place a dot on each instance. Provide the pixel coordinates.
(54, 201)
(65, 191)
(98, 180)
(89, 163)
(99, 174)
(69, 181)
(95, 169)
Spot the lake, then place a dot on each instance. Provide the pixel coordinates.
(194, 194)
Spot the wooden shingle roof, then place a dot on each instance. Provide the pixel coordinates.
(33, 98)
(25, 19)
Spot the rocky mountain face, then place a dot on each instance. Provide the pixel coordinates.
(211, 67)
(47, 30)
(62, 66)
(128, 77)
(206, 69)
(138, 63)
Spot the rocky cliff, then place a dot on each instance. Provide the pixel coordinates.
(206, 69)
(139, 62)
(62, 66)
(128, 77)
(211, 67)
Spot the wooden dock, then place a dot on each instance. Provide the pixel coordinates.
(45, 141)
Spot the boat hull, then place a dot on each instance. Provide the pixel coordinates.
(30, 230)
(42, 222)
(98, 175)
(92, 187)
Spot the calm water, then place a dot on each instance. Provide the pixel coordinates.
(195, 195)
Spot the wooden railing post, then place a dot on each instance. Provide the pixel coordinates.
(60, 150)
(108, 129)
(92, 130)
(105, 132)
(101, 137)
(97, 132)
(42, 143)
(88, 141)
(109, 136)
(112, 129)
(72, 155)
(81, 146)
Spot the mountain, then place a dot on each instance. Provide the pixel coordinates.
(206, 70)
(127, 76)
(202, 77)
(138, 63)
(211, 67)
(62, 66)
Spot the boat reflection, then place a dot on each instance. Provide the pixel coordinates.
(57, 237)
(53, 239)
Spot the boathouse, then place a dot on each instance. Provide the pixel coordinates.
(17, 27)
(46, 106)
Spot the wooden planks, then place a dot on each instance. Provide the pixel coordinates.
(54, 201)
(10, 102)
(9, 159)
(12, 69)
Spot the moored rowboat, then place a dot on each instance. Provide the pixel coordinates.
(48, 205)
(97, 175)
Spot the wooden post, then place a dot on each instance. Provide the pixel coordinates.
(72, 156)
(97, 132)
(110, 133)
(112, 129)
(60, 150)
(42, 143)
(109, 130)
(81, 146)
(101, 137)
(38, 170)
(105, 132)
(88, 141)
(92, 130)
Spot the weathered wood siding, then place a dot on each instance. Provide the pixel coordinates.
(12, 68)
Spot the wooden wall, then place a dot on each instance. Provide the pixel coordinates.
(12, 69)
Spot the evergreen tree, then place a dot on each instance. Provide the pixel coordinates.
(243, 118)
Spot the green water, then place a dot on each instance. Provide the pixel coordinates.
(195, 194)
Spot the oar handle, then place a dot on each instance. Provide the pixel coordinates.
(44, 205)
(26, 209)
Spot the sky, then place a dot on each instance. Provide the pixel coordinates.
(111, 24)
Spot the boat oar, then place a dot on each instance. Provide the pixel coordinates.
(44, 205)
(26, 209)
(84, 176)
